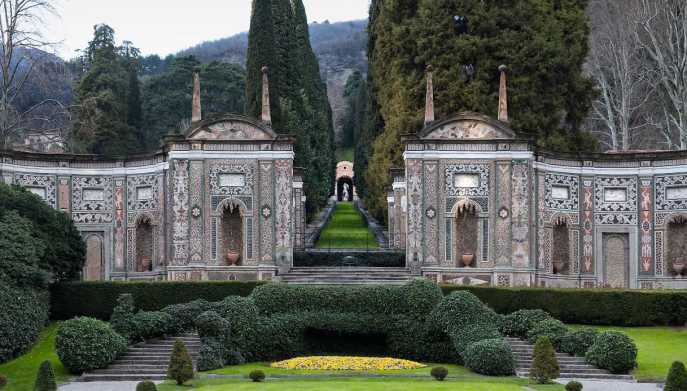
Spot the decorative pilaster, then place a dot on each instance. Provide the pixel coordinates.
(587, 266)
(502, 230)
(414, 245)
(180, 207)
(283, 213)
(120, 229)
(266, 218)
(521, 215)
(63, 194)
(431, 212)
(646, 226)
(196, 219)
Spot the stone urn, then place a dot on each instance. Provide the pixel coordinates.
(558, 266)
(233, 257)
(467, 259)
(679, 266)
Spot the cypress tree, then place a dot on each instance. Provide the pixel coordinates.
(544, 362)
(45, 380)
(677, 377)
(180, 365)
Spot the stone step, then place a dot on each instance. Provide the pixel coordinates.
(348, 269)
(150, 367)
(122, 377)
(140, 361)
(130, 370)
(574, 375)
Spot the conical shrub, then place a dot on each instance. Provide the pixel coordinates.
(544, 363)
(45, 380)
(677, 377)
(180, 364)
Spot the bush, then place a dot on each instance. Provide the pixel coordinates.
(461, 309)
(21, 252)
(45, 379)
(439, 373)
(577, 343)
(573, 386)
(146, 385)
(613, 351)
(24, 314)
(467, 335)
(122, 320)
(257, 375)
(677, 377)
(492, 357)
(98, 299)
(180, 365)
(3, 381)
(361, 259)
(544, 362)
(410, 339)
(151, 324)
(83, 344)
(520, 322)
(243, 314)
(275, 338)
(184, 315)
(214, 333)
(553, 329)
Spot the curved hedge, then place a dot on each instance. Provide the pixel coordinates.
(83, 344)
(577, 343)
(24, 314)
(492, 357)
(613, 351)
(519, 323)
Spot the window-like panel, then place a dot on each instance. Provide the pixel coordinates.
(466, 180)
(560, 192)
(615, 194)
(39, 191)
(93, 194)
(676, 193)
(232, 180)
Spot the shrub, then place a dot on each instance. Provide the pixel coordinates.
(122, 320)
(151, 324)
(24, 314)
(467, 335)
(553, 329)
(214, 333)
(577, 343)
(677, 377)
(3, 381)
(520, 322)
(45, 379)
(492, 357)
(413, 340)
(275, 337)
(83, 344)
(146, 385)
(243, 314)
(461, 309)
(21, 252)
(573, 386)
(184, 315)
(180, 365)
(257, 375)
(439, 373)
(544, 362)
(613, 351)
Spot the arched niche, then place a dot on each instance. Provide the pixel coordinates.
(676, 245)
(467, 233)
(344, 189)
(560, 254)
(94, 269)
(231, 232)
(144, 245)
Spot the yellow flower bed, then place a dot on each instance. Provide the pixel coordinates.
(339, 363)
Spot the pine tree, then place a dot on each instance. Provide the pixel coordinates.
(544, 363)
(45, 380)
(180, 364)
(677, 377)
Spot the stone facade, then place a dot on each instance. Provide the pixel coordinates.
(226, 185)
(537, 219)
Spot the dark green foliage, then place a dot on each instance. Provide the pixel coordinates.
(461, 309)
(146, 385)
(24, 314)
(439, 373)
(3, 381)
(83, 344)
(677, 377)
(63, 250)
(589, 306)
(45, 379)
(554, 329)
(180, 364)
(214, 332)
(492, 357)
(363, 259)
(151, 324)
(464, 336)
(613, 351)
(211, 355)
(573, 386)
(122, 320)
(257, 375)
(413, 340)
(184, 315)
(355, 99)
(544, 362)
(20, 252)
(576, 343)
(243, 315)
(276, 337)
(98, 299)
(520, 322)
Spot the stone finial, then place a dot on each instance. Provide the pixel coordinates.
(429, 97)
(196, 112)
(503, 95)
(266, 115)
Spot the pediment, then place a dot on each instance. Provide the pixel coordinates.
(467, 127)
(232, 129)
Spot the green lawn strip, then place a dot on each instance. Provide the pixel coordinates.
(658, 348)
(21, 372)
(344, 154)
(346, 229)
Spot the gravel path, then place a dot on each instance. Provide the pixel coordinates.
(101, 386)
(596, 385)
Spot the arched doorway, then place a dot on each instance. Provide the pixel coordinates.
(231, 234)
(94, 268)
(344, 189)
(561, 250)
(677, 245)
(144, 245)
(467, 234)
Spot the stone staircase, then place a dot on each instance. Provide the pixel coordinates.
(571, 367)
(346, 275)
(144, 361)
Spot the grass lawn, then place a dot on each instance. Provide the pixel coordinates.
(658, 348)
(346, 229)
(21, 372)
(344, 154)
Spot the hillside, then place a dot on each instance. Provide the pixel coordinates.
(340, 48)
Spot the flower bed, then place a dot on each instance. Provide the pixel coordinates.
(339, 363)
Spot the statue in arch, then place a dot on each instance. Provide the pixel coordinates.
(345, 192)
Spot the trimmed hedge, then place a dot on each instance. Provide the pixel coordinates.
(613, 351)
(577, 343)
(83, 344)
(24, 314)
(491, 357)
(519, 323)
(554, 329)
(360, 259)
(98, 299)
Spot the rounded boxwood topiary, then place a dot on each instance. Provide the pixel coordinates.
(146, 385)
(183, 316)
(257, 375)
(577, 343)
(421, 296)
(45, 379)
(84, 343)
(677, 377)
(492, 357)
(150, 324)
(461, 309)
(613, 351)
(467, 335)
(551, 328)
(518, 323)
(439, 373)
(544, 362)
(573, 386)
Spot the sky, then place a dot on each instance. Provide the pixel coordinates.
(167, 26)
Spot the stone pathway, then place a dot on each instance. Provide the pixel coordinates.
(101, 386)
(600, 385)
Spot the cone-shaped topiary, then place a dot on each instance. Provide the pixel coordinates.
(3, 381)
(544, 363)
(180, 364)
(677, 377)
(146, 385)
(439, 373)
(45, 380)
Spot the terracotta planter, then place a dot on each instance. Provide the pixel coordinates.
(678, 266)
(558, 266)
(468, 259)
(233, 257)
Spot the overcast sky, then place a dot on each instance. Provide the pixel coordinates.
(167, 26)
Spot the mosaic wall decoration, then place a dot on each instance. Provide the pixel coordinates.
(45, 182)
(180, 208)
(452, 173)
(567, 200)
(520, 212)
(431, 225)
(219, 172)
(615, 201)
(119, 243)
(85, 190)
(646, 244)
(266, 195)
(502, 229)
(143, 192)
(196, 221)
(658, 244)
(541, 229)
(414, 191)
(63, 195)
(588, 225)
(284, 200)
(667, 200)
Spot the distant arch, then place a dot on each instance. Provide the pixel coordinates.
(94, 269)
(344, 189)
(144, 243)
(232, 214)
